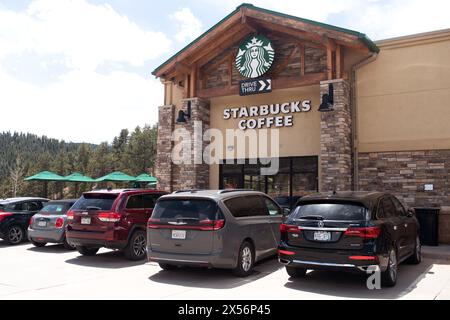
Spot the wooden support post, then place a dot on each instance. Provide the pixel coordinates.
(339, 62)
(193, 83)
(329, 63)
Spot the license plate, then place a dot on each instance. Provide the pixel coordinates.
(179, 234)
(42, 223)
(322, 236)
(85, 220)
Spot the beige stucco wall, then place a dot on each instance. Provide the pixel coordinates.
(303, 139)
(403, 97)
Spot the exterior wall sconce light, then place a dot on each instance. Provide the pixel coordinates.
(328, 100)
(183, 115)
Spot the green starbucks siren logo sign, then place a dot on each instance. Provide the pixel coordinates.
(255, 56)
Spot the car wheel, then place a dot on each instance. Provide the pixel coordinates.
(38, 244)
(246, 260)
(68, 246)
(136, 248)
(296, 272)
(15, 235)
(167, 267)
(89, 252)
(389, 277)
(416, 258)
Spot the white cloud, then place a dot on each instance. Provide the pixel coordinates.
(82, 106)
(377, 18)
(189, 27)
(386, 19)
(79, 104)
(86, 34)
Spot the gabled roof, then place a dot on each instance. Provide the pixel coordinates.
(320, 29)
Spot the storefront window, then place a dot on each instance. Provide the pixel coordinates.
(296, 177)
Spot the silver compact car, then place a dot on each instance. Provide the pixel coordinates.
(229, 229)
(49, 225)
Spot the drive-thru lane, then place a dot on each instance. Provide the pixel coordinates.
(54, 273)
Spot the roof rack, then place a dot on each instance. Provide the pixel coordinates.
(235, 190)
(185, 191)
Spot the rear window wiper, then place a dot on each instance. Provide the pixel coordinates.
(94, 208)
(311, 218)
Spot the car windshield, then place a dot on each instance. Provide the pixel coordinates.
(330, 211)
(2, 207)
(95, 201)
(56, 208)
(194, 210)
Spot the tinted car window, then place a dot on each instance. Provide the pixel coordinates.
(2, 207)
(142, 201)
(398, 206)
(331, 211)
(189, 209)
(249, 206)
(18, 207)
(274, 210)
(389, 209)
(33, 206)
(95, 202)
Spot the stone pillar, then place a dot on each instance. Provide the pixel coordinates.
(192, 175)
(336, 139)
(163, 165)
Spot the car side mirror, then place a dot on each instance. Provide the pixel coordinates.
(286, 212)
(411, 213)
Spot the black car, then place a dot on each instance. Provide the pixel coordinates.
(350, 231)
(15, 215)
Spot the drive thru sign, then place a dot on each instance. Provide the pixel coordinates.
(255, 86)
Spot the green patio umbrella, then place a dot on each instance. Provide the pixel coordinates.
(116, 177)
(78, 177)
(146, 178)
(45, 176)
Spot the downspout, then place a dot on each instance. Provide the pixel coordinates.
(355, 137)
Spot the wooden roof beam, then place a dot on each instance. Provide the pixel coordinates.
(312, 30)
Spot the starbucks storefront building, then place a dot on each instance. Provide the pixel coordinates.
(383, 119)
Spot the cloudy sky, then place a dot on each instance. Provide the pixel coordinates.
(80, 70)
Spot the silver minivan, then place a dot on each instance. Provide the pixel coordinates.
(229, 229)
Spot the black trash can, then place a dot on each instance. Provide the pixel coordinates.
(429, 225)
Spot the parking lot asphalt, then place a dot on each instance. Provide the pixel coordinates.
(52, 272)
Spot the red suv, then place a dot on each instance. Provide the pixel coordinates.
(114, 219)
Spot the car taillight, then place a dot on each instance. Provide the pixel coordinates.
(109, 217)
(365, 233)
(59, 223)
(30, 223)
(287, 228)
(3, 215)
(153, 223)
(70, 215)
(212, 225)
(205, 225)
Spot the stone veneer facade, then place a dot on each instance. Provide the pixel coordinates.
(336, 139)
(187, 176)
(405, 174)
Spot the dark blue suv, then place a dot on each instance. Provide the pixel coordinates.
(350, 231)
